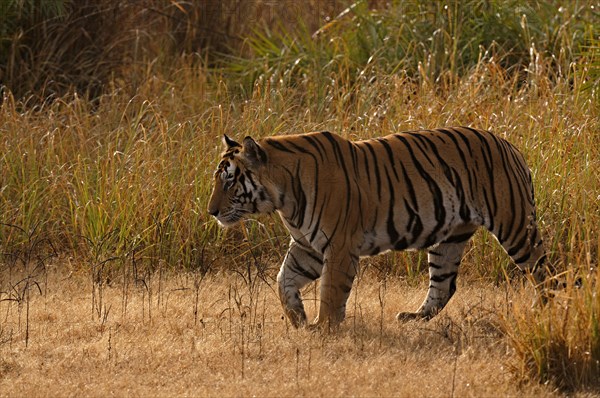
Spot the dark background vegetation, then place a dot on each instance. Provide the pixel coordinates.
(52, 47)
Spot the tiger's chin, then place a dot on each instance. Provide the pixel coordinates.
(227, 223)
(229, 220)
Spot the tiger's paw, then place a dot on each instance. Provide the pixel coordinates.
(297, 317)
(323, 325)
(314, 327)
(411, 316)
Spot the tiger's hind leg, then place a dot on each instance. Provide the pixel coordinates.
(444, 260)
(300, 267)
(526, 249)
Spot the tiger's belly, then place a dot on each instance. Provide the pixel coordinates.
(375, 243)
(384, 236)
(380, 240)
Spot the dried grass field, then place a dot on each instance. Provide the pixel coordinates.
(114, 280)
(224, 336)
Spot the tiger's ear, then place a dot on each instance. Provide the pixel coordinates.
(228, 143)
(253, 152)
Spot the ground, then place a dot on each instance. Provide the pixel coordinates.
(222, 336)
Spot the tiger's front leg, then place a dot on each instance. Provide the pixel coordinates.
(336, 282)
(300, 267)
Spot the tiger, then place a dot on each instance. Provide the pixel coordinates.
(342, 200)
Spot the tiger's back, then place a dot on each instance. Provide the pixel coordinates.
(439, 182)
(415, 190)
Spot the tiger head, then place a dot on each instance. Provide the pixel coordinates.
(238, 188)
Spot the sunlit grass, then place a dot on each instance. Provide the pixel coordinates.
(560, 342)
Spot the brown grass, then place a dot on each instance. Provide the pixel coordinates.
(239, 344)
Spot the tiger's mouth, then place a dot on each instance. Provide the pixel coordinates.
(230, 219)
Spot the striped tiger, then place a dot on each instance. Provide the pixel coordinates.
(341, 200)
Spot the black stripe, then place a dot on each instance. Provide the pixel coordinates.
(316, 179)
(488, 207)
(315, 144)
(400, 245)
(315, 258)
(510, 181)
(422, 147)
(452, 288)
(376, 168)
(277, 145)
(391, 228)
(366, 163)
(352, 150)
(388, 150)
(317, 225)
(411, 189)
(300, 196)
(414, 225)
(440, 134)
(340, 158)
(458, 238)
(440, 159)
(518, 163)
(523, 258)
(471, 169)
(316, 193)
(299, 270)
(464, 139)
(301, 149)
(518, 246)
(360, 206)
(499, 234)
(330, 238)
(488, 160)
(464, 210)
(436, 194)
(462, 156)
(346, 288)
(442, 277)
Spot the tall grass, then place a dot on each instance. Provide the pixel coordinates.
(437, 41)
(124, 165)
(53, 47)
(123, 180)
(561, 342)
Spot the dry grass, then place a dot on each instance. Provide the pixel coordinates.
(239, 345)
